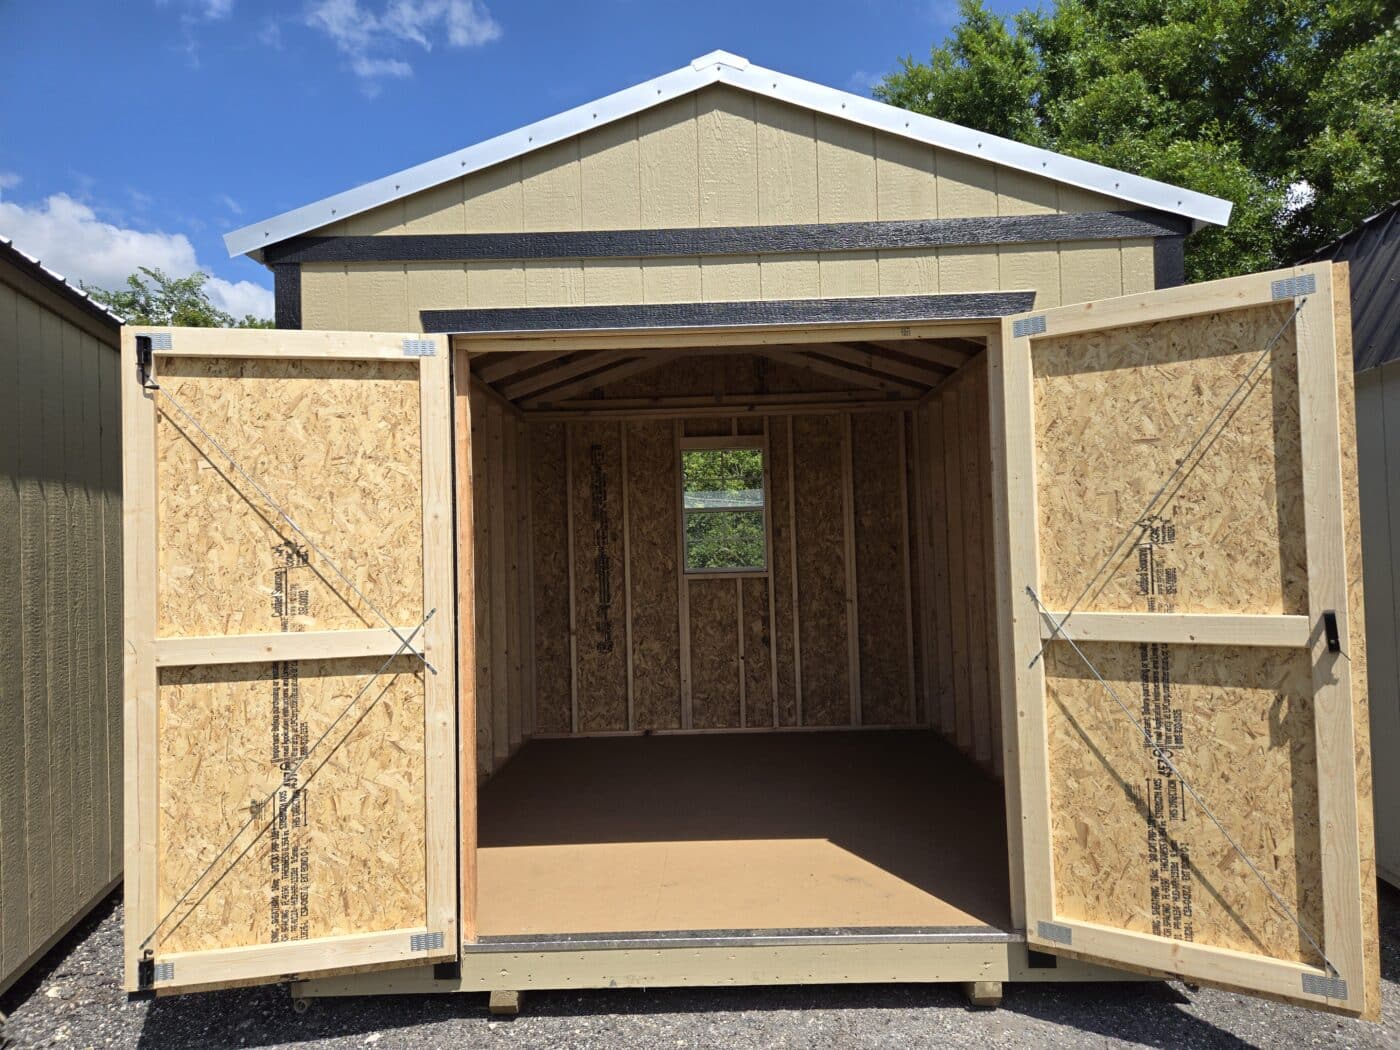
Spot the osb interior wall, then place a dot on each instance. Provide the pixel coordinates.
(828, 641)
(501, 482)
(1129, 848)
(957, 624)
(720, 157)
(313, 856)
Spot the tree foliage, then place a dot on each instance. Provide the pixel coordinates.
(155, 298)
(723, 539)
(1288, 108)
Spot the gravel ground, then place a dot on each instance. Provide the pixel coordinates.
(73, 999)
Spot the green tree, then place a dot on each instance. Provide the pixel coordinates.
(1288, 108)
(152, 297)
(730, 478)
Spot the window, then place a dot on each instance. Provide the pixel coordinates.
(723, 504)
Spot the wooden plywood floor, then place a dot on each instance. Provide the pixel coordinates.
(741, 831)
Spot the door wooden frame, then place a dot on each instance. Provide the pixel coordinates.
(145, 654)
(1012, 395)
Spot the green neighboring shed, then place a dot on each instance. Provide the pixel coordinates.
(60, 609)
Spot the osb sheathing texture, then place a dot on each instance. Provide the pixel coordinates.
(599, 602)
(1251, 746)
(714, 653)
(720, 157)
(655, 614)
(656, 647)
(780, 561)
(821, 570)
(880, 569)
(758, 654)
(1246, 742)
(352, 870)
(1115, 410)
(352, 483)
(551, 578)
(707, 426)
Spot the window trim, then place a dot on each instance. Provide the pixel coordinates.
(721, 442)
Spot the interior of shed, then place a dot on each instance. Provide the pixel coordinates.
(735, 649)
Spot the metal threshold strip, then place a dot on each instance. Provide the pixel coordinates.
(645, 939)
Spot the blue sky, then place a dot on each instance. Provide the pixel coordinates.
(143, 130)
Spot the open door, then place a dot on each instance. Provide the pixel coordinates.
(289, 697)
(1187, 659)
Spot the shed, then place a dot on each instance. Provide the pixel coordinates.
(60, 609)
(737, 532)
(1372, 251)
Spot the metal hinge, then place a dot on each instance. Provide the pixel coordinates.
(425, 942)
(1054, 931)
(1288, 287)
(1328, 987)
(148, 972)
(420, 348)
(146, 345)
(1025, 326)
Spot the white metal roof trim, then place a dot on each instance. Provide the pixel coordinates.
(722, 67)
(73, 288)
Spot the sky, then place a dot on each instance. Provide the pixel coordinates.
(138, 132)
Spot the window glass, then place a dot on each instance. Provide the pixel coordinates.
(723, 502)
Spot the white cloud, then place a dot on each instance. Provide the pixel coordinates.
(229, 203)
(240, 297)
(67, 236)
(9, 180)
(364, 35)
(209, 10)
(863, 82)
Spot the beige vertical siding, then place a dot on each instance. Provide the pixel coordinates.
(60, 620)
(721, 157)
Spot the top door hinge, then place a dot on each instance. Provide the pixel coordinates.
(1026, 326)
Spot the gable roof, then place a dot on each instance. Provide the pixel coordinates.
(721, 67)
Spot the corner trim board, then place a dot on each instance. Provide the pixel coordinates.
(962, 306)
(286, 284)
(1169, 261)
(732, 240)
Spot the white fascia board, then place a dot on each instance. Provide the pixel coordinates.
(725, 68)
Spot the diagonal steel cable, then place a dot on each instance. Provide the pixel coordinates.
(404, 644)
(1163, 755)
(1141, 524)
(282, 513)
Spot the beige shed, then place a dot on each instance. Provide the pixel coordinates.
(737, 532)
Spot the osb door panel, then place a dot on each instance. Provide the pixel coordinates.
(289, 655)
(1177, 548)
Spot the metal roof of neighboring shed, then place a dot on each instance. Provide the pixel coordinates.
(721, 67)
(57, 283)
(1372, 250)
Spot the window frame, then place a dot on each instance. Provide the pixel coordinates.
(721, 443)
